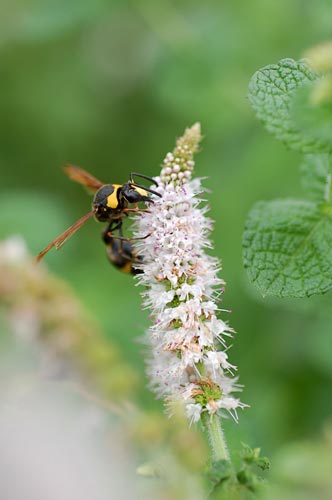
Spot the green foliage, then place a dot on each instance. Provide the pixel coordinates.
(270, 93)
(287, 243)
(316, 176)
(219, 472)
(311, 112)
(288, 248)
(252, 456)
(251, 460)
(229, 483)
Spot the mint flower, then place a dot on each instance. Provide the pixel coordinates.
(188, 360)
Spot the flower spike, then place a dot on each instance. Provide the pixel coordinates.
(182, 290)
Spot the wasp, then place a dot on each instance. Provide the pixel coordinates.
(111, 204)
(122, 254)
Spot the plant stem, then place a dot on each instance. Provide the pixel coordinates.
(212, 424)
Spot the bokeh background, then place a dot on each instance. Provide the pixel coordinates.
(108, 85)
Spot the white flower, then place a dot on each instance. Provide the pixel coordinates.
(182, 290)
(193, 412)
(215, 359)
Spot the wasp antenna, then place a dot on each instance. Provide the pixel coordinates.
(143, 177)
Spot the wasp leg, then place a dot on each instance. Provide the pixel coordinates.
(107, 234)
(110, 235)
(120, 252)
(136, 210)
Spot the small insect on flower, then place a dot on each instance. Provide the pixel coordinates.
(122, 254)
(111, 203)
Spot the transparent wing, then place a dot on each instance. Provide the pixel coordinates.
(63, 237)
(79, 175)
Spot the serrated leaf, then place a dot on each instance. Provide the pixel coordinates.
(287, 247)
(271, 91)
(316, 176)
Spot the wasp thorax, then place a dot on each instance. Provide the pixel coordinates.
(101, 204)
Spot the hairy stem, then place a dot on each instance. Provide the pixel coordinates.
(216, 437)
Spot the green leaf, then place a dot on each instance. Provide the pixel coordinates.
(252, 456)
(316, 176)
(311, 111)
(271, 91)
(219, 472)
(248, 479)
(287, 247)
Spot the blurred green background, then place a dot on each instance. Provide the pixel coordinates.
(108, 85)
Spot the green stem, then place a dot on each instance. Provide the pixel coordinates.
(212, 424)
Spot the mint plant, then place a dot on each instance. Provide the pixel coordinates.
(287, 243)
(189, 365)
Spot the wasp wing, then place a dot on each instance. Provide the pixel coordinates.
(79, 175)
(63, 237)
